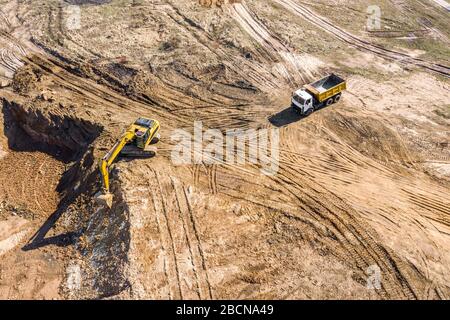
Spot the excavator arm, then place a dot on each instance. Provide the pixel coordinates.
(133, 143)
(109, 158)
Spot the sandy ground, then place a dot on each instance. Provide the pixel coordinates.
(361, 186)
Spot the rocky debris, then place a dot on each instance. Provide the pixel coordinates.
(47, 95)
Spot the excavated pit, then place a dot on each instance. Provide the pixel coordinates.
(46, 167)
(40, 123)
(100, 235)
(37, 138)
(105, 245)
(61, 137)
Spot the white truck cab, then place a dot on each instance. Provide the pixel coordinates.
(302, 101)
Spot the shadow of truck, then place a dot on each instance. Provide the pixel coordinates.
(285, 117)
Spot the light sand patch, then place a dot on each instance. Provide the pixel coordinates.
(11, 237)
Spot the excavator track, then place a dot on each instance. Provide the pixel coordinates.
(131, 151)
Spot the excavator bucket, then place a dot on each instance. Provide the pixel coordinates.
(104, 199)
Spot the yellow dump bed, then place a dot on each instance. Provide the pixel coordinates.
(327, 87)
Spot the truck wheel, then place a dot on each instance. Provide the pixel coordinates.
(310, 110)
(337, 98)
(329, 102)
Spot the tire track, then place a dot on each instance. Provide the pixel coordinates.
(335, 224)
(175, 288)
(11, 55)
(192, 240)
(256, 72)
(212, 178)
(353, 242)
(196, 174)
(187, 273)
(361, 44)
(164, 94)
(199, 244)
(101, 95)
(5, 18)
(421, 206)
(166, 268)
(334, 221)
(181, 209)
(291, 69)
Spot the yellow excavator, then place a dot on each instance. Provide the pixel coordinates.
(135, 142)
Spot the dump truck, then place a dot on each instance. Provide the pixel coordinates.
(321, 93)
(135, 142)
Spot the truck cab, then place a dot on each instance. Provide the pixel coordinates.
(303, 102)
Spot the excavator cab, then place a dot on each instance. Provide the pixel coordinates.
(133, 143)
(145, 129)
